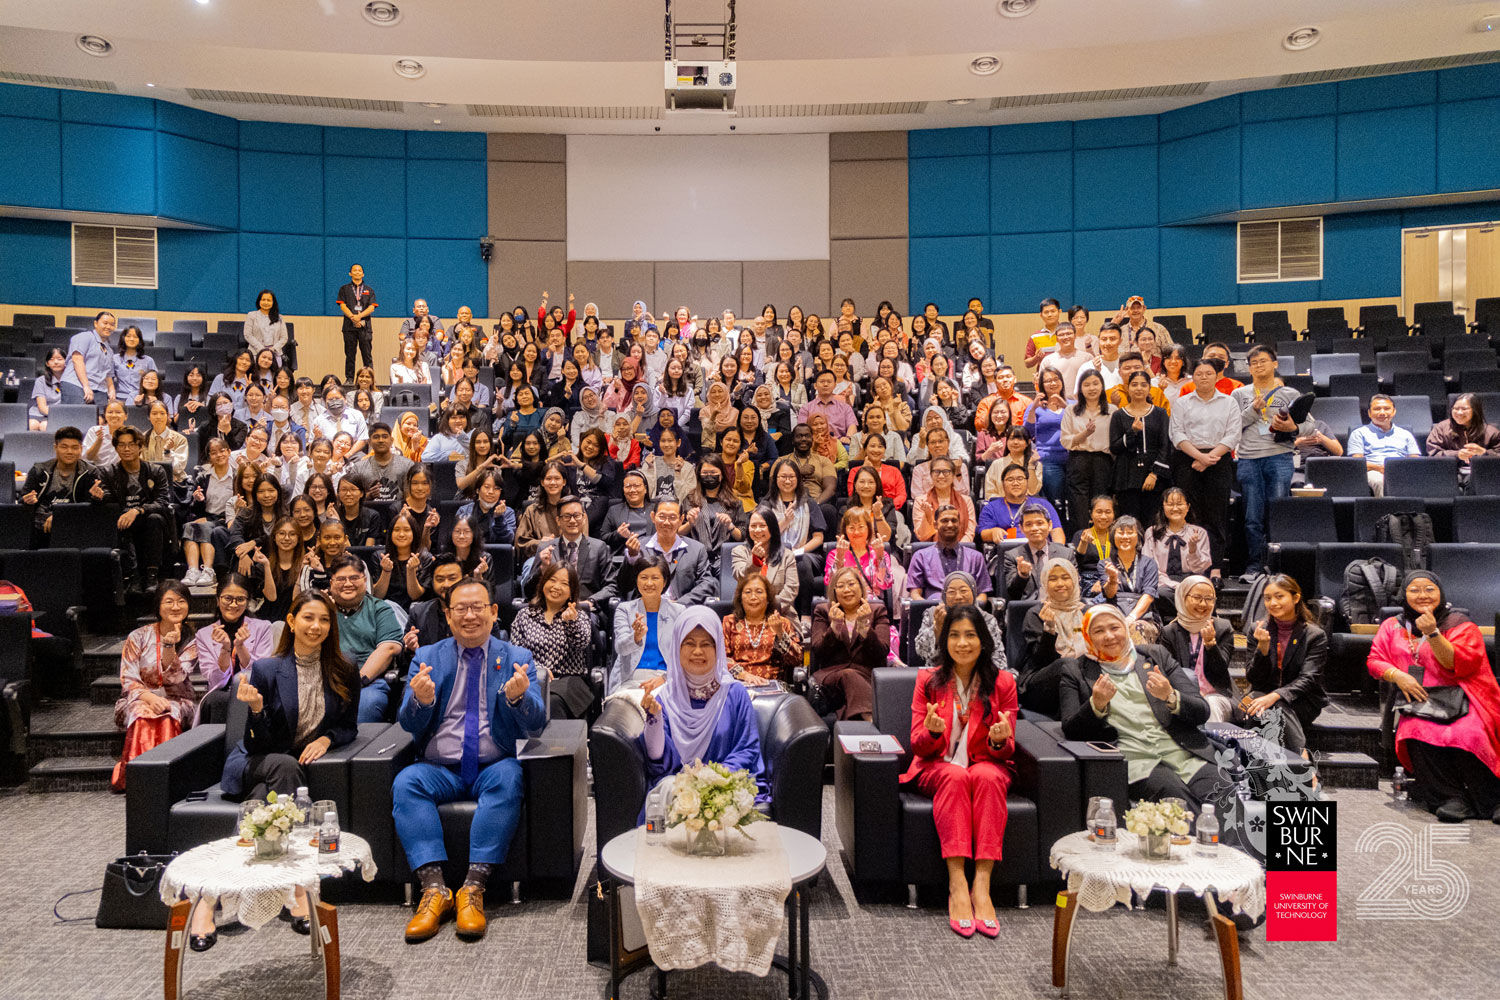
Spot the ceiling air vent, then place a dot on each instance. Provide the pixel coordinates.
(1096, 96)
(114, 257)
(617, 113)
(1386, 69)
(1282, 250)
(831, 110)
(71, 82)
(292, 100)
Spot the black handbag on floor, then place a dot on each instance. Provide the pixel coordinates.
(131, 897)
(1446, 703)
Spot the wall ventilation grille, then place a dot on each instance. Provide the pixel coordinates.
(114, 257)
(292, 100)
(1281, 250)
(1385, 69)
(831, 110)
(71, 82)
(616, 113)
(1097, 96)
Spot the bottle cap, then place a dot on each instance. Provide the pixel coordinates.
(301, 789)
(1208, 810)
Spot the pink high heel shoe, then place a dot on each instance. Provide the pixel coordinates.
(963, 928)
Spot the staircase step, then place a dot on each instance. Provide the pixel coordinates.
(105, 690)
(71, 774)
(73, 729)
(1339, 769)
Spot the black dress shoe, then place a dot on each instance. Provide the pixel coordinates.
(203, 942)
(1454, 811)
(302, 925)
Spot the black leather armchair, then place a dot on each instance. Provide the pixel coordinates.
(159, 817)
(548, 845)
(793, 744)
(887, 831)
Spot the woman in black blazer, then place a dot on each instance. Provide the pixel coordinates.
(1287, 672)
(1138, 437)
(1203, 643)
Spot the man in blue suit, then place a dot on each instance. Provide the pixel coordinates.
(467, 703)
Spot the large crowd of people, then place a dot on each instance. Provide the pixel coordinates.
(868, 458)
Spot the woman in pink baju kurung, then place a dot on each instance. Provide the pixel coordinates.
(1456, 764)
(156, 696)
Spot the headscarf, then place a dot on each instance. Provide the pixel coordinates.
(955, 443)
(583, 397)
(1184, 618)
(1126, 659)
(552, 439)
(1446, 614)
(1067, 614)
(692, 728)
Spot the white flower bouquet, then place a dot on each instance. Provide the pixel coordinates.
(1155, 819)
(710, 797)
(272, 821)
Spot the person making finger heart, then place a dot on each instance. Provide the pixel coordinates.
(469, 699)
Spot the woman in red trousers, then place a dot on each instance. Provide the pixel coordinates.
(963, 717)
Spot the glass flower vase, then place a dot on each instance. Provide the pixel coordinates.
(267, 849)
(1157, 846)
(706, 843)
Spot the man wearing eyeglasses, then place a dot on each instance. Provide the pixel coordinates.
(693, 581)
(470, 698)
(589, 557)
(369, 634)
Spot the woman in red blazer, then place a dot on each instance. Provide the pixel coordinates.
(963, 717)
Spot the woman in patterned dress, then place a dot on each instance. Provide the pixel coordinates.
(559, 639)
(760, 642)
(156, 697)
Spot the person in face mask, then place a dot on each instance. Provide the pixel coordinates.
(342, 417)
(224, 424)
(282, 424)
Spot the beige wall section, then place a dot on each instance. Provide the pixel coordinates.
(528, 216)
(614, 285)
(705, 287)
(868, 271)
(785, 283)
(522, 269)
(867, 146)
(528, 201)
(867, 199)
(527, 147)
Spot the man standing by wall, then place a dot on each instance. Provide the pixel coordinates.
(357, 301)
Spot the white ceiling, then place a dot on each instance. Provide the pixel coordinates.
(554, 64)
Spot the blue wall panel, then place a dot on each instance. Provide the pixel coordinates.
(1197, 265)
(38, 262)
(29, 102)
(1102, 133)
(107, 109)
(197, 181)
(1027, 268)
(276, 137)
(449, 273)
(1262, 292)
(949, 271)
(446, 146)
(200, 271)
(446, 198)
(109, 169)
(1290, 102)
(1467, 82)
(384, 261)
(281, 193)
(32, 172)
(1031, 137)
(292, 267)
(947, 142)
(1200, 175)
(1110, 266)
(1195, 119)
(1114, 188)
(1468, 145)
(1387, 153)
(363, 142)
(1402, 91)
(364, 196)
(1362, 255)
(1288, 162)
(195, 124)
(1031, 192)
(949, 196)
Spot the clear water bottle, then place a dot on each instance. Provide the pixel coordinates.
(1208, 833)
(1104, 825)
(1399, 784)
(328, 834)
(303, 802)
(656, 814)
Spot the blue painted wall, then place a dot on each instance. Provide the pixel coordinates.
(1084, 210)
(298, 203)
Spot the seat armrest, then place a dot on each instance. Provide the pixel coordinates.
(794, 749)
(555, 772)
(1049, 776)
(164, 775)
(867, 807)
(619, 769)
(17, 698)
(372, 772)
(329, 777)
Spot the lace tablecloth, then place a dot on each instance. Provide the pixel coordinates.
(254, 891)
(729, 910)
(1103, 878)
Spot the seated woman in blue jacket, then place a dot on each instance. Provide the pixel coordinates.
(702, 713)
(303, 702)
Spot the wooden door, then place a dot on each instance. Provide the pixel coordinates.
(1419, 269)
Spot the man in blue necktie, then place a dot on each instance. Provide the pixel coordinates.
(469, 700)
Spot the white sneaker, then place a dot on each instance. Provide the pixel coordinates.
(195, 577)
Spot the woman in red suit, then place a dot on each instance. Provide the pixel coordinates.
(963, 716)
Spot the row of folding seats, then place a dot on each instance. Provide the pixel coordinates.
(147, 324)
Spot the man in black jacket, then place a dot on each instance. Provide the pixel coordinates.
(590, 558)
(140, 489)
(1023, 564)
(64, 478)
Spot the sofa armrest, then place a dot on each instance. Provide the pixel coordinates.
(164, 775)
(555, 773)
(794, 748)
(329, 776)
(372, 773)
(867, 807)
(619, 770)
(1049, 776)
(1100, 773)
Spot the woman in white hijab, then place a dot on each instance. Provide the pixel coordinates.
(698, 712)
(1202, 642)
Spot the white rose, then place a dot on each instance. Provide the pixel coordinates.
(744, 800)
(688, 801)
(272, 833)
(730, 817)
(695, 824)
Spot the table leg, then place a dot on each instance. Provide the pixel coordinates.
(177, 931)
(328, 931)
(614, 940)
(1171, 928)
(1062, 936)
(806, 973)
(1229, 949)
(792, 967)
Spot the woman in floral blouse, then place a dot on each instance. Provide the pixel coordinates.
(760, 642)
(156, 697)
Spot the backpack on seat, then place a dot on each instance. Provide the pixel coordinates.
(1369, 585)
(1412, 531)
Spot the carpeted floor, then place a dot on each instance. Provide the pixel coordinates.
(535, 951)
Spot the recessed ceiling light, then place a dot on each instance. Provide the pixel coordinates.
(985, 65)
(1015, 8)
(437, 121)
(1301, 38)
(150, 84)
(1487, 24)
(381, 13)
(202, 3)
(433, 104)
(409, 68)
(959, 102)
(94, 45)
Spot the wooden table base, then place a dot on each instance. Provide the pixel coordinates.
(325, 943)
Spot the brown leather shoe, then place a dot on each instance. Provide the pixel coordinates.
(435, 906)
(471, 922)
